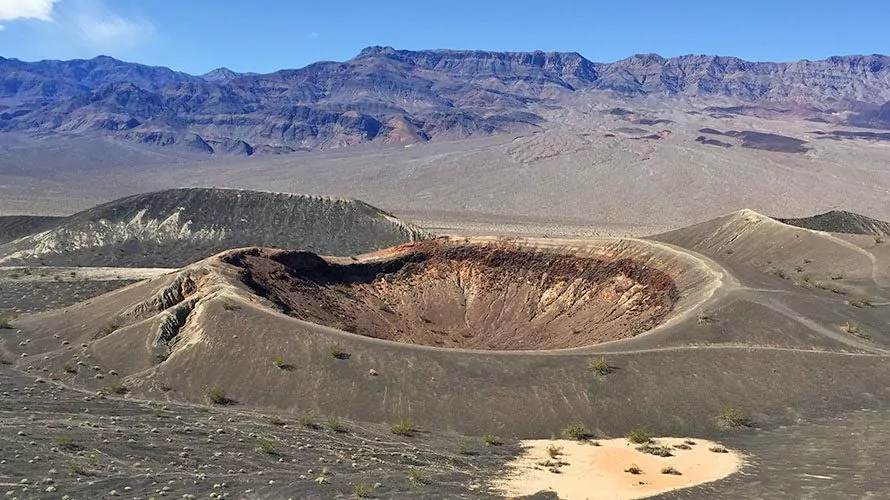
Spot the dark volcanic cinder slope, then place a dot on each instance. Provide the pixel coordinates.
(176, 227)
(17, 226)
(839, 221)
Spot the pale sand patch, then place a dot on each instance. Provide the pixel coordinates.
(599, 471)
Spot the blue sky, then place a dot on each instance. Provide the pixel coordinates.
(266, 35)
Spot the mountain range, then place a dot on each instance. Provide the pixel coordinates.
(400, 97)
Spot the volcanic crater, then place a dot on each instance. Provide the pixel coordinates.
(481, 295)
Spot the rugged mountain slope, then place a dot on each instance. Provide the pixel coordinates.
(397, 96)
(179, 226)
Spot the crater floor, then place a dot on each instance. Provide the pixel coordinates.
(493, 295)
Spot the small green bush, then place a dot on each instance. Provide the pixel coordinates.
(266, 446)
(403, 428)
(491, 440)
(640, 434)
(576, 431)
(732, 416)
(65, 442)
(217, 396)
(671, 471)
(281, 364)
(275, 420)
(417, 476)
(117, 387)
(6, 322)
(463, 447)
(337, 352)
(306, 422)
(335, 425)
(599, 366)
(362, 491)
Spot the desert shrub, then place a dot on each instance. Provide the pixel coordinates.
(266, 446)
(217, 395)
(117, 387)
(798, 269)
(69, 368)
(689, 442)
(576, 431)
(336, 425)
(732, 416)
(707, 318)
(281, 364)
(878, 240)
(554, 451)
(836, 276)
(718, 449)
(362, 491)
(417, 476)
(491, 440)
(228, 306)
(84, 466)
(860, 303)
(633, 469)
(65, 442)
(658, 451)
(853, 329)
(599, 366)
(6, 322)
(108, 329)
(306, 422)
(682, 446)
(337, 352)
(640, 434)
(403, 428)
(831, 288)
(463, 447)
(780, 273)
(275, 420)
(671, 471)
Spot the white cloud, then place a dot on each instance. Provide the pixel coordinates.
(109, 30)
(11, 10)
